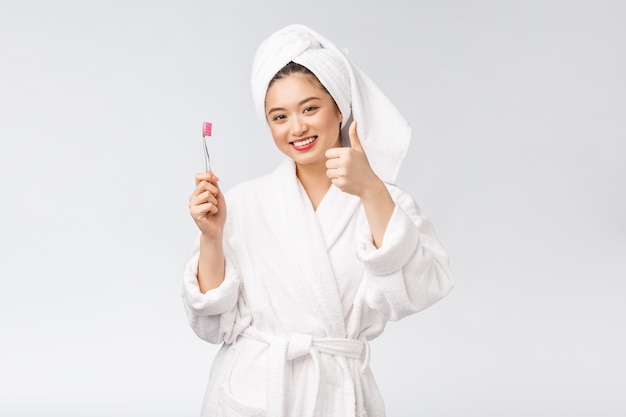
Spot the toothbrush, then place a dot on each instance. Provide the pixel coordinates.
(206, 131)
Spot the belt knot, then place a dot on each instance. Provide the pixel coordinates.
(299, 345)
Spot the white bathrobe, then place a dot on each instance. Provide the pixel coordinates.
(304, 292)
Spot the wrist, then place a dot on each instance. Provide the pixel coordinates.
(211, 240)
(375, 191)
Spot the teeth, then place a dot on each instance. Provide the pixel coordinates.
(300, 143)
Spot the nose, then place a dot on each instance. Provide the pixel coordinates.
(298, 127)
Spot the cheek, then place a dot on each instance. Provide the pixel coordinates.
(333, 122)
(277, 131)
(334, 117)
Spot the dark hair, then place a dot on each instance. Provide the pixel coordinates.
(293, 68)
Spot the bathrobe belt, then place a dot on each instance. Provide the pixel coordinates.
(296, 345)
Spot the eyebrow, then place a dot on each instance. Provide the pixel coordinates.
(273, 109)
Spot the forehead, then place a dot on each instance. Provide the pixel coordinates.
(293, 87)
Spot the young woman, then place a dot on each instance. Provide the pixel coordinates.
(312, 260)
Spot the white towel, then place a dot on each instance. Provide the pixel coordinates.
(384, 132)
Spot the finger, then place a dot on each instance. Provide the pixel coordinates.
(207, 176)
(355, 141)
(196, 192)
(335, 152)
(201, 195)
(333, 163)
(212, 188)
(206, 186)
(212, 209)
(333, 173)
(200, 188)
(205, 197)
(203, 176)
(202, 210)
(337, 182)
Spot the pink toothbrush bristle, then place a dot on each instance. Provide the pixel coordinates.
(206, 128)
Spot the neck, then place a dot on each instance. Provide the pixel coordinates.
(314, 181)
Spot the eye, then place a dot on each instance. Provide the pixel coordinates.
(309, 109)
(278, 117)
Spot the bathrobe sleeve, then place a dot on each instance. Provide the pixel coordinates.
(410, 271)
(218, 315)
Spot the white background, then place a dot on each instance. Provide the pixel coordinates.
(519, 120)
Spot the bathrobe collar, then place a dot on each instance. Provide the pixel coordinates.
(307, 240)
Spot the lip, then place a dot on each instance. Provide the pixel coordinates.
(304, 147)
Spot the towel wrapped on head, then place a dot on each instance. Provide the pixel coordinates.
(384, 132)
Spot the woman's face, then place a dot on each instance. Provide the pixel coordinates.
(303, 118)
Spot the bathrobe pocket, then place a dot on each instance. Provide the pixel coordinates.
(231, 407)
(243, 391)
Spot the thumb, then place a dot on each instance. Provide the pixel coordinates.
(355, 142)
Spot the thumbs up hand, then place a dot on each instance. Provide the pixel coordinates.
(348, 168)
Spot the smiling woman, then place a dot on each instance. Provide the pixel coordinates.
(313, 259)
(305, 123)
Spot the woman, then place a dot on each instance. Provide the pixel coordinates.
(311, 260)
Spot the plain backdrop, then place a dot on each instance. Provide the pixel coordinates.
(519, 119)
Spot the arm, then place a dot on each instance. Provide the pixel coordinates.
(406, 269)
(210, 263)
(378, 207)
(350, 171)
(210, 282)
(216, 315)
(411, 270)
(208, 209)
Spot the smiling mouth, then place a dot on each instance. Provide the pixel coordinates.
(303, 142)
